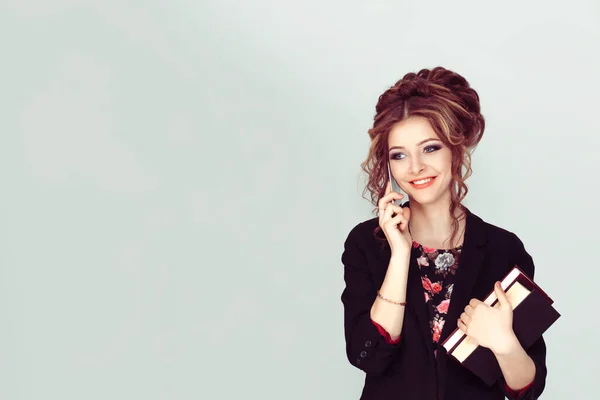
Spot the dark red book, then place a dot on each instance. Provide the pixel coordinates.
(533, 314)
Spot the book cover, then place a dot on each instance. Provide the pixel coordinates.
(533, 314)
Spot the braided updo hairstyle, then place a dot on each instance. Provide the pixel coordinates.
(452, 107)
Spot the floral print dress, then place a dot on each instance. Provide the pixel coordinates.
(438, 272)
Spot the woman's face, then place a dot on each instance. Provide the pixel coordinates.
(420, 162)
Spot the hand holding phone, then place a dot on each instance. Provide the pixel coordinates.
(393, 218)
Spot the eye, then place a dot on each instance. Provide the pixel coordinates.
(397, 156)
(432, 148)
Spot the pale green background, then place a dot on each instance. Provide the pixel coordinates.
(178, 179)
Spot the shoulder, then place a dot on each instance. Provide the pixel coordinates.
(501, 242)
(363, 234)
(496, 235)
(365, 227)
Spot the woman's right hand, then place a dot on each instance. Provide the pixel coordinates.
(393, 221)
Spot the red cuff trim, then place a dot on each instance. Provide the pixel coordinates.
(385, 334)
(517, 393)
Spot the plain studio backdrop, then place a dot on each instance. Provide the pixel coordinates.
(178, 179)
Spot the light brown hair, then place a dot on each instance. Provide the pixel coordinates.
(452, 107)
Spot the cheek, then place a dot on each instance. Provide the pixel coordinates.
(399, 170)
(444, 162)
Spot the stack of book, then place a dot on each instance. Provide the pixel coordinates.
(533, 314)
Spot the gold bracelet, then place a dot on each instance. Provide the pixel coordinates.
(398, 303)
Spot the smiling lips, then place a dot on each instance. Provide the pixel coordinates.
(423, 183)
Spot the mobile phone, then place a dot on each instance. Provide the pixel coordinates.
(394, 185)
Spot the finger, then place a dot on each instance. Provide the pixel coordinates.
(387, 199)
(406, 212)
(397, 219)
(461, 325)
(502, 298)
(388, 188)
(390, 209)
(381, 214)
(475, 303)
(392, 225)
(469, 310)
(387, 212)
(403, 225)
(404, 222)
(395, 209)
(381, 209)
(465, 319)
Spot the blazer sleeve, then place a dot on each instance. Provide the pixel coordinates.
(366, 348)
(537, 351)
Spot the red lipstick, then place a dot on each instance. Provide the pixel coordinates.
(422, 182)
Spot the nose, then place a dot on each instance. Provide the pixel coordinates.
(416, 165)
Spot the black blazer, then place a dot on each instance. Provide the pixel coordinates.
(407, 370)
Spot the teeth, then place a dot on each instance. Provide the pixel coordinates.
(422, 181)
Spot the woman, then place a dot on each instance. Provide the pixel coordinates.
(418, 271)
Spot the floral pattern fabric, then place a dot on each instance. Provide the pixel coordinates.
(438, 271)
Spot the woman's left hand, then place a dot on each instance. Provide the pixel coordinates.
(490, 327)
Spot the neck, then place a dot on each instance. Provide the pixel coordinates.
(431, 225)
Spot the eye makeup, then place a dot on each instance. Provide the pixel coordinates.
(432, 148)
(398, 155)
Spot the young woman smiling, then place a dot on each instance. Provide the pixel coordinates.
(418, 271)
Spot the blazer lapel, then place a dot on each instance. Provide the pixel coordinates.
(470, 262)
(469, 266)
(415, 304)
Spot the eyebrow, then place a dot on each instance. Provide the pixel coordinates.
(418, 144)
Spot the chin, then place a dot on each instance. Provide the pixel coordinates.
(423, 200)
(426, 198)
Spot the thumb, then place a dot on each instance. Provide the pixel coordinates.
(504, 302)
